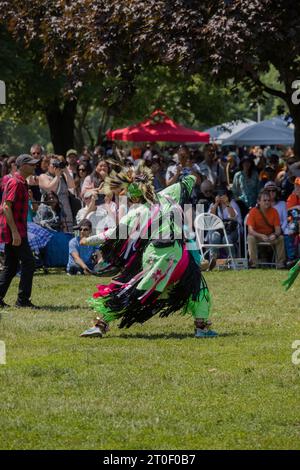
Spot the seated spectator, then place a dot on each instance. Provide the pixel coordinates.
(280, 206)
(81, 258)
(50, 214)
(89, 200)
(245, 185)
(32, 206)
(264, 226)
(105, 215)
(228, 211)
(206, 196)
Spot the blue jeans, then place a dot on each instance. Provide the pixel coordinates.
(218, 239)
(291, 247)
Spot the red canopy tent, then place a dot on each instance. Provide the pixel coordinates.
(158, 128)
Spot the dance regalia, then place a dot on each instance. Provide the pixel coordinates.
(292, 276)
(158, 274)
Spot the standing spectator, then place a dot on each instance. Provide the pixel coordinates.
(98, 176)
(264, 226)
(8, 170)
(196, 193)
(59, 180)
(148, 152)
(98, 154)
(293, 201)
(72, 158)
(86, 154)
(231, 168)
(212, 169)
(45, 161)
(159, 173)
(83, 170)
(13, 232)
(36, 151)
(176, 172)
(245, 185)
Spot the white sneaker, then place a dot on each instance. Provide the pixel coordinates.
(93, 332)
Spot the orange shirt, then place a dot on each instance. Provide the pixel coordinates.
(256, 220)
(292, 200)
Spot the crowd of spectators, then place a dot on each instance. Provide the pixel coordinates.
(259, 185)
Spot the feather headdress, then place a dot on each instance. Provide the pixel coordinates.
(135, 183)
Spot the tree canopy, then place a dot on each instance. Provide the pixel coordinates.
(74, 45)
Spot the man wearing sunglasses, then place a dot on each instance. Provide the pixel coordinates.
(81, 258)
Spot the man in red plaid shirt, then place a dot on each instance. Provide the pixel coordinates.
(13, 232)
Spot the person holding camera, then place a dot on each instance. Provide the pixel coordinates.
(228, 211)
(176, 172)
(59, 180)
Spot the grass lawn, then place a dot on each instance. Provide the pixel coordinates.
(153, 386)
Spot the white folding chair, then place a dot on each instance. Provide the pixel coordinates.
(207, 222)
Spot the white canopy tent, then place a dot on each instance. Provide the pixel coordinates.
(222, 131)
(275, 131)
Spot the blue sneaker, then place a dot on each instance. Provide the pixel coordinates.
(205, 333)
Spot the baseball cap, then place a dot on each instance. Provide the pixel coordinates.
(84, 223)
(271, 185)
(294, 169)
(71, 152)
(88, 194)
(25, 159)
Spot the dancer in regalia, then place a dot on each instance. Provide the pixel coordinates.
(158, 273)
(292, 276)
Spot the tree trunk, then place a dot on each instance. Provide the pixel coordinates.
(61, 122)
(295, 114)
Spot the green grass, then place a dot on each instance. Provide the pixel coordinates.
(153, 386)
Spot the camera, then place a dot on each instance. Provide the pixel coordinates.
(59, 164)
(100, 199)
